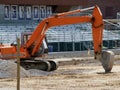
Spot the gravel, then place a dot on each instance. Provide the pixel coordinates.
(8, 69)
(35, 72)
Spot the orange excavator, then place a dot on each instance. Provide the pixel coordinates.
(34, 44)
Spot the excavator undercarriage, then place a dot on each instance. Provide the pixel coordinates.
(45, 65)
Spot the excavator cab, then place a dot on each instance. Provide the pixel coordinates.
(25, 36)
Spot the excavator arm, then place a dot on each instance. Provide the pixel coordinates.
(64, 19)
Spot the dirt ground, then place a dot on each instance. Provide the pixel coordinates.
(87, 75)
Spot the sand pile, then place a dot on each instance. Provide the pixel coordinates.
(8, 69)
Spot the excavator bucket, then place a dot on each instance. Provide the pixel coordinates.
(107, 60)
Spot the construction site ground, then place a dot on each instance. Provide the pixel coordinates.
(78, 73)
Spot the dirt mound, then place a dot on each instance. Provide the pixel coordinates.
(8, 69)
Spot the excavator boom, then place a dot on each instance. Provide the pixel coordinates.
(63, 19)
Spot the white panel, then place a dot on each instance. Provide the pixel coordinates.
(49, 11)
(35, 11)
(21, 11)
(42, 12)
(28, 12)
(14, 12)
(7, 12)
